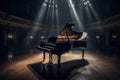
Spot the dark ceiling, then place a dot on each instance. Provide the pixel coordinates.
(29, 8)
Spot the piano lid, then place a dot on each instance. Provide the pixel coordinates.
(67, 34)
(67, 30)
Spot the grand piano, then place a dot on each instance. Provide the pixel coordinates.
(65, 41)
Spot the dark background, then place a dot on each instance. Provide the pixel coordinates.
(29, 8)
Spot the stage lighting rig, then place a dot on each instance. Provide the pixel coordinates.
(86, 2)
(49, 3)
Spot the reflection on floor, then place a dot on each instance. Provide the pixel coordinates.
(100, 67)
(52, 72)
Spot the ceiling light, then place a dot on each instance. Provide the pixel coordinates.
(10, 36)
(97, 37)
(44, 4)
(31, 37)
(42, 37)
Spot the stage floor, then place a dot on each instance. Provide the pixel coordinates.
(99, 66)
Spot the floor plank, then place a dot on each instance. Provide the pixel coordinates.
(101, 67)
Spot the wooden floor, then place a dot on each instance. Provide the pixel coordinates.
(100, 67)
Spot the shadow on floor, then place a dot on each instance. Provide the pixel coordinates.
(51, 71)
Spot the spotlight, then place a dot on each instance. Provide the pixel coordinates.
(72, 5)
(90, 4)
(42, 37)
(49, 5)
(86, 2)
(53, 2)
(97, 37)
(10, 36)
(75, 15)
(44, 4)
(31, 37)
(56, 5)
(46, 0)
(114, 36)
(72, 27)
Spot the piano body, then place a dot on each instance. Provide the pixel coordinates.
(65, 41)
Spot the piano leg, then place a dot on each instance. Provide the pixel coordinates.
(58, 66)
(43, 56)
(82, 53)
(50, 58)
(59, 58)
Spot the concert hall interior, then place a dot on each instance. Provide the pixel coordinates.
(59, 39)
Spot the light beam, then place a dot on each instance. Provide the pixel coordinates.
(73, 10)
